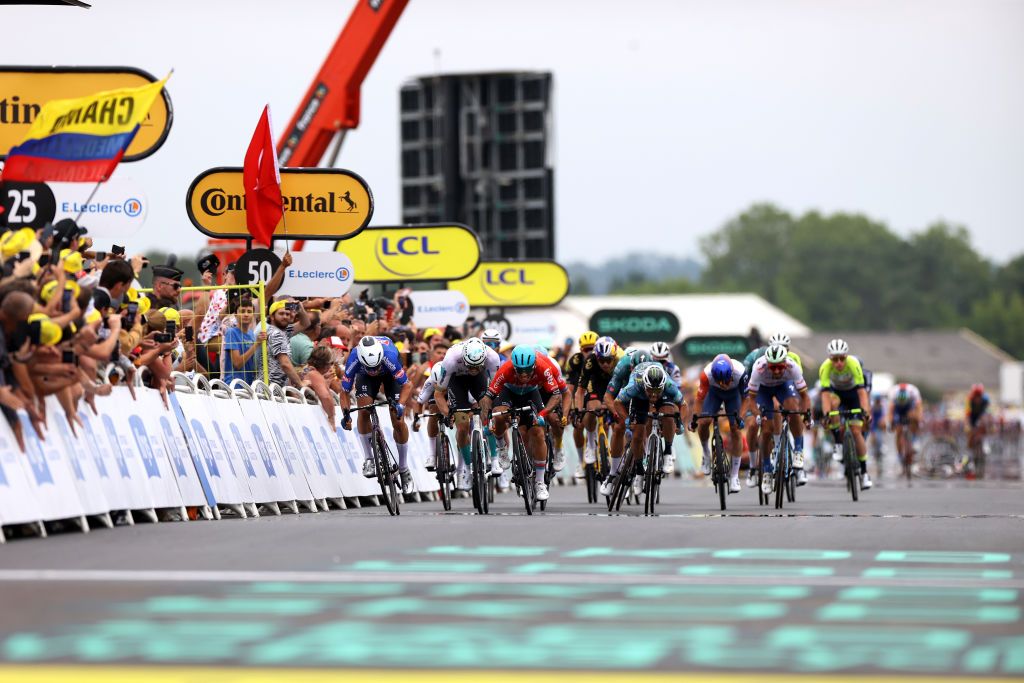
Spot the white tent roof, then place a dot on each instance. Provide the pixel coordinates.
(699, 314)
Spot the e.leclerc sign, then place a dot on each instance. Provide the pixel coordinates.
(709, 347)
(413, 253)
(25, 89)
(514, 284)
(319, 203)
(630, 326)
(318, 273)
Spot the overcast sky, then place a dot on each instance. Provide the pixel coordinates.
(671, 116)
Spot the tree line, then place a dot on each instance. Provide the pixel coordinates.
(847, 271)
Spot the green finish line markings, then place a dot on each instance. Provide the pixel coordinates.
(945, 595)
(755, 570)
(943, 557)
(935, 573)
(989, 614)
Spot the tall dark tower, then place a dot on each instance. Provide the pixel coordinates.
(475, 150)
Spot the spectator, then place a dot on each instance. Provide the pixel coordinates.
(241, 345)
(279, 333)
(166, 286)
(302, 343)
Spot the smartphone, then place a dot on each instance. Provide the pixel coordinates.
(129, 318)
(65, 300)
(189, 334)
(117, 250)
(171, 328)
(371, 318)
(69, 357)
(163, 337)
(101, 256)
(292, 306)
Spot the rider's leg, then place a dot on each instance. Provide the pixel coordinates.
(590, 429)
(538, 449)
(462, 438)
(618, 444)
(363, 426)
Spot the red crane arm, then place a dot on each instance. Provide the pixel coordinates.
(331, 103)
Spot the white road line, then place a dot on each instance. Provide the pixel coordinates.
(251, 576)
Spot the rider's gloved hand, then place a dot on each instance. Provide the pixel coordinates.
(346, 421)
(399, 410)
(740, 424)
(693, 424)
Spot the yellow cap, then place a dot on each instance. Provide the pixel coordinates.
(72, 261)
(144, 305)
(93, 316)
(19, 240)
(50, 287)
(430, 332)
(49, 332)
(277, 306)
(171, 314)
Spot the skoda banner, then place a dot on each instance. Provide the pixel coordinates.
(25, 89)
(318, 273)
(635, 326)
(319, 204)
(696, 348)
(512, 284)
(437, 308)
(413, 253)
(117, 209)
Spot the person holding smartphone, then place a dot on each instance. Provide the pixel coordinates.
(241, 345)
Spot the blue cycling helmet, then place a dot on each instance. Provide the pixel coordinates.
(524, 358)
(721, 369)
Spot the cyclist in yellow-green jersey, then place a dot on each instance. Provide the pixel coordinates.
(843, 386)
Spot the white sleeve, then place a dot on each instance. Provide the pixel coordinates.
(427, 392)
(450, 363)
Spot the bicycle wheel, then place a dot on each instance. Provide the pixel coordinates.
(525, 474)
(479, 474)
(590, 481)
(852, 466)
(762, 497)
(385, 474)
(624, 482)
(781, 464)
(718, 464)
(443, 470)
(651, 473)
(549, 472)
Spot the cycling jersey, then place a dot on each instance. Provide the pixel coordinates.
(454, 364)
(755, 355)
(976, 408)
(634, 389)
(674, 373)
(427, 392)
(574, 366)
(761, 376)
(707, 382)
(390, 366)
(620, 375)
(912, 397)
(851, 376)
(545, 377)
(593, 378)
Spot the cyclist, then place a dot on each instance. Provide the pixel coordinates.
(593, 383)
(649, 387)
(905, 411)
(720, 385)
(375, 366)
(492, 339)
(556, 424)
(777, 377)
(631, 359)
(573, 371)
(976, 408)
(424, 400)
(517, 384)
(843, 386)
(782, 339)
(466, 371)
(661, 352)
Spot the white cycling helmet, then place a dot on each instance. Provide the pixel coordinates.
(780, 338)
(630, 350)
(474, 353)
(660, 351)
(370, 352)
(776, 353)
(838, 347)
(654, 378)
(491, 337)
(437, 373)
(605, 347)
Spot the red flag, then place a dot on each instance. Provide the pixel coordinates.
(262, 181)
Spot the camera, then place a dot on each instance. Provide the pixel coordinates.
(117, 250)
(208, 264)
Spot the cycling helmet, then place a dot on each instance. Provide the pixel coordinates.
(838, 347)
(523, 358)
(588, 338)
(474, 353)
(660, 351)
(654, 378)
(630, 350)
(776, 353)
(721, 369)
(640, 356)
(492, 338)
(977, 390)
(605, 347)
(780, 338)
(370, 352)
(437, 373)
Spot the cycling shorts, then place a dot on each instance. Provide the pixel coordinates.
(464, 390)
(716, 398)
(639, 407)
(371, 385)
(766, 396)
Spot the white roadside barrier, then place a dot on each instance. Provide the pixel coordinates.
(208, 450)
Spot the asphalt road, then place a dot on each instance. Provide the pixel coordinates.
(908, 581)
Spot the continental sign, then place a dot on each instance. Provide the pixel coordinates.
(509, 284)
(25, 89)
(635, 326)
(319, 203)
(413, 253)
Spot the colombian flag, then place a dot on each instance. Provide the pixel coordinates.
(81, 139)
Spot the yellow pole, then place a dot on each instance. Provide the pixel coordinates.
(263, 321)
